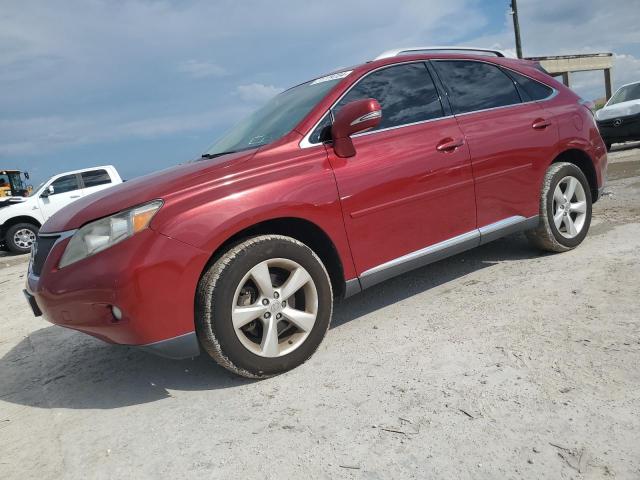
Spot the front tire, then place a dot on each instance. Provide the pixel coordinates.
(565, 209)
(20, 237)
(264, 306)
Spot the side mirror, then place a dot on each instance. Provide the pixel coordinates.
(354, 117)
(48, 191)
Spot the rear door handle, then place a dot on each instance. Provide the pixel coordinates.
(540, 124)
(74, 196)
(449, 144)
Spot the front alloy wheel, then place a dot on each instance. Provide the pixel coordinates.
(275, 307)
(20, 237)
(24, 238)
(264, 306)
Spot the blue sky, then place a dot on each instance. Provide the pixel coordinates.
(146, 84)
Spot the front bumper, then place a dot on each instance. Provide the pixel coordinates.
(151, 278)
(620, 129)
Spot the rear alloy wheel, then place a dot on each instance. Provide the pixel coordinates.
(264, 307)
(569, 207)
(565, 209)
(20, 237)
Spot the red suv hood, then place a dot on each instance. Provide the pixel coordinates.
(141, 190)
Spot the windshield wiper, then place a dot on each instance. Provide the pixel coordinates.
(214, 155)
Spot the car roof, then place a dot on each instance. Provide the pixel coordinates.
(413, 57)
(408, 54)
(70, 172)
(400, 55)
(528, 67)
(442, 49)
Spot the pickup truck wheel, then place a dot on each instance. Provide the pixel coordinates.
(565, 209)
(264, 306)
(20, 237)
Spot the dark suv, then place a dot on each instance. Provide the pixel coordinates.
(333, 186)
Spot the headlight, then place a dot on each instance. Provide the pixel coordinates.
(106, 232)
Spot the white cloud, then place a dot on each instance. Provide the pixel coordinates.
(573, 27)
(48, 133)
(626, 69)
(101, 71)
(257, 92)
(202, 69)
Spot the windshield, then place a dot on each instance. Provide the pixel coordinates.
(11, 184)
(277, 118)
(16, 181)
(36, 190)
(630, 92)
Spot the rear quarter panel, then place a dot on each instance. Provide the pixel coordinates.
(577, 130)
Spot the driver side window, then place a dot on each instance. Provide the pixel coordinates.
(405, 92)
(68, 183)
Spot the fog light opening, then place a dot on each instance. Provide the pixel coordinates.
(116, 312)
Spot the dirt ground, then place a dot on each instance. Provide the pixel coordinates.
(497, 363)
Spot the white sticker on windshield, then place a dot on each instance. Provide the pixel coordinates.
(328, 78)
(257, 139)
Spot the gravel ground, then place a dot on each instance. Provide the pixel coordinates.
(498, 363)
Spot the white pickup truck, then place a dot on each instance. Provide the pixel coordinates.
(20, 221)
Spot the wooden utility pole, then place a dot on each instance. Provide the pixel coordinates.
(516, 27)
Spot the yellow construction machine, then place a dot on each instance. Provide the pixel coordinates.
(13, 184)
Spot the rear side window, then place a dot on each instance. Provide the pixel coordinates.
(533, 89)
(68, 183)
(476, 85)
(406, 94)
(95, 178)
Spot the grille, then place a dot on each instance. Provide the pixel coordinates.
(42, 248)
(626, 121)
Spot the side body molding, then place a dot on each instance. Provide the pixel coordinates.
(442, 250)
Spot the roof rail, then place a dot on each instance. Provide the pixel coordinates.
(399, 51)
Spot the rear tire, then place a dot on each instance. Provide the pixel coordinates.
(565, 209)
(20, 237)
(608, 145)
(264, 306)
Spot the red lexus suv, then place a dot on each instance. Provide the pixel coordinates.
(333, 186)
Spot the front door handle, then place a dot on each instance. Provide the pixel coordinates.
(74, 196)
(540, 124)
(449, 144)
